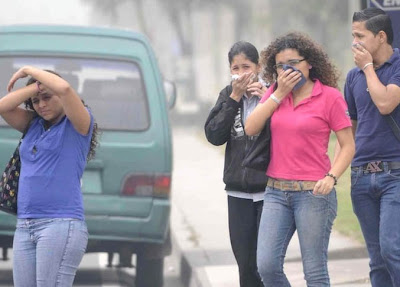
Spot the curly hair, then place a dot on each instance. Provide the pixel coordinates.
(322, 68)
(93, 141)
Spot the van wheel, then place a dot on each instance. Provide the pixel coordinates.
(149, 272)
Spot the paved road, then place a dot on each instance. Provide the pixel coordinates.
(94, 273)
(200, 224)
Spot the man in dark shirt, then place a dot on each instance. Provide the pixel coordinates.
(372, 93)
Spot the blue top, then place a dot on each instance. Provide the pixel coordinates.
(52, 164)
(375, 140)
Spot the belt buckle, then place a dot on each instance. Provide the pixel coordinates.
(374, 166)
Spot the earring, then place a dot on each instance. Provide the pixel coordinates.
(309, 67)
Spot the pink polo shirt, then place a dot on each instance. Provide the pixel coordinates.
(300, 135)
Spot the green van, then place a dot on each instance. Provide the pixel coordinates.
(127, 186)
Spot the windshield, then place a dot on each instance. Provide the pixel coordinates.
(112, 89)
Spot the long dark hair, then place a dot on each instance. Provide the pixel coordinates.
(93, 141)
(245, 48)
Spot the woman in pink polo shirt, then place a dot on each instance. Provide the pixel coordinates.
(304, 105)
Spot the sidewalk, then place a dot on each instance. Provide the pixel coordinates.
(200, 224)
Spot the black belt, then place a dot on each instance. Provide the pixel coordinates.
(377, 166)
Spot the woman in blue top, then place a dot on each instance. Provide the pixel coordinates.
(51, 234)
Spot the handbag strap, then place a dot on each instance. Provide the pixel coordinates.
(393, 125)
(26, 130)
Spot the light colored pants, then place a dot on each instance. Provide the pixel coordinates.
(48, 251)
(283, 213)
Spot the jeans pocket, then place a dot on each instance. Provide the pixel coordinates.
(354, 177)
(329, 200)
(324, 196)
(80, 225)
(394, 173)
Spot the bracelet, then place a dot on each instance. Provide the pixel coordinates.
(275, 99)
(366, 65)
(334, 177)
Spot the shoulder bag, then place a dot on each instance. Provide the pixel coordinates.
(9, 181)
(393, 125)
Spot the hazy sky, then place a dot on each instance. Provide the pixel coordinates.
(71, 12)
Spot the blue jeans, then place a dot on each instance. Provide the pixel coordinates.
(47, 251)
(376, 202)
(283, 213)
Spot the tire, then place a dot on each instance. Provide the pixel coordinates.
(149, 272)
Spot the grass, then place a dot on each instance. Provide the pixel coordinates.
(346, 222)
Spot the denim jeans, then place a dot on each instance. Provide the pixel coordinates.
(376, 202)
(283, 213)
(47, 251)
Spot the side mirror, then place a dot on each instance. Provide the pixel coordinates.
(170, 92)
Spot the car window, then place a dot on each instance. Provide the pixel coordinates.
(113, 89)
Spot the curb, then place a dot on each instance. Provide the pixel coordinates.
(190, 256)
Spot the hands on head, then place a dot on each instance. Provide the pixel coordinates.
(42, 89)
(21, 73)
